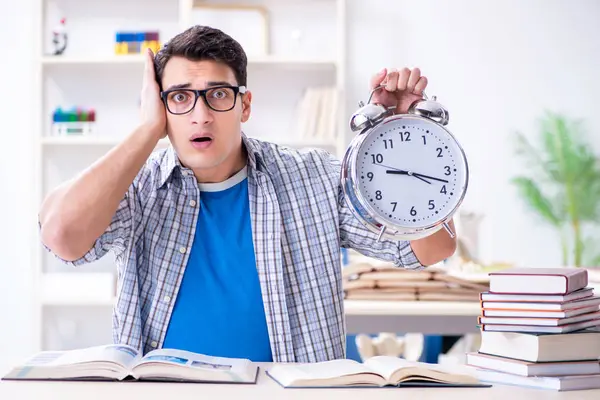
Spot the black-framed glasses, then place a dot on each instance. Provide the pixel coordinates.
(218, 98)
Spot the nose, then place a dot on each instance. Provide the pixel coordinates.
(201, 114)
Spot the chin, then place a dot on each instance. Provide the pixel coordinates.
(208, 160)
(197, 163)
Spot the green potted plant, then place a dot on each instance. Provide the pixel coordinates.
(563, 185)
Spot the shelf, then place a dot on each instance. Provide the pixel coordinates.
(89, 141)
(412, 308)
(292, 62)
(113, 141)
(136, 59)
(78, 289)
(300, 142)
(69, 60)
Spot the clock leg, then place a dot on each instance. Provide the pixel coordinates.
(449, 230)
(381, 232)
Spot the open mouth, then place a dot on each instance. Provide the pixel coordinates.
(201, 139)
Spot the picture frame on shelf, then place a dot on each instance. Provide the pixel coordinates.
(247, 24)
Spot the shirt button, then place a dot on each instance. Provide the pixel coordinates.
(167, 299)
(182, 250)
(193, 203)
(154, 344)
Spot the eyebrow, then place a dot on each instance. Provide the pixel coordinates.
(208, 84)
(218, 83)
(180, 86)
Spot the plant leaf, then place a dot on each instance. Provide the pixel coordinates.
(536, 200)
(573, 165)
(532, 158)
(590, 246)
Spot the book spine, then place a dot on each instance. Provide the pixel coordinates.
(576, 282)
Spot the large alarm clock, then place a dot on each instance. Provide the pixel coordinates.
(404, 175)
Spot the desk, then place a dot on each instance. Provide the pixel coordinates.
(264, 389)
(428, 317)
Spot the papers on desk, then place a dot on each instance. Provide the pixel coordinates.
(121, 362)
(364, 281)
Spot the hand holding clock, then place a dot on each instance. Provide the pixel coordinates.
(413, 138)
(400, 88)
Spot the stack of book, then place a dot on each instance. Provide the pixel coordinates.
(363, 281)
(540, 327)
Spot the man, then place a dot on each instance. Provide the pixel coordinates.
(225, 245)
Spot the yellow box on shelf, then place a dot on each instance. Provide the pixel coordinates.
(136, 42)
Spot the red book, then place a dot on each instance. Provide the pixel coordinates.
(538, 280)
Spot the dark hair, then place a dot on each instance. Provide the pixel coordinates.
(204, 43)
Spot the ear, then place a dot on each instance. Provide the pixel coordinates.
(246, 105)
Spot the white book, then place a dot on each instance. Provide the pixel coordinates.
(525, 368)
(542, 347)
(379, 371)
(324, 113)
(302, 113)
(538, 298)
(564, 314)
(539, 321)
(122, 362)
(334, 113)
(550, 281)
(559, 383)
(569, 305)
(567, 328)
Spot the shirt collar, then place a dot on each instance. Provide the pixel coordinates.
(170, 161)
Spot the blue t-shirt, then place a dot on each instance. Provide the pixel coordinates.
(219, 309)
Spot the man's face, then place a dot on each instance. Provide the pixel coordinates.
(205, 140)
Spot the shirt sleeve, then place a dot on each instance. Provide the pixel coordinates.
(116, 237)
(355, 235)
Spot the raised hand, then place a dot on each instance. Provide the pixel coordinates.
(401, 88)
(153, 114)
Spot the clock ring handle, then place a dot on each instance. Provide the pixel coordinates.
(382, 86)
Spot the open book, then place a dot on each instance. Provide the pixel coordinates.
(121, 362)
(379, 371)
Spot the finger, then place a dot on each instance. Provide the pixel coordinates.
(378, 78)
(391, 81)
(415, 75)
(149, 66)
(420, 86)
(403, 79)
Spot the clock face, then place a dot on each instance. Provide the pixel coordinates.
(411, 172)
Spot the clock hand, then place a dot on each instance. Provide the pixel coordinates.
(429, 177)
(401, 172)
(398, 171)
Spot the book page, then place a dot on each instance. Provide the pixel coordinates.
(235, 368)
(388, 366)
(287, 374)
(122, 355)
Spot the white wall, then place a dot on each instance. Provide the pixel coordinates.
(496, 66)
(16, 177)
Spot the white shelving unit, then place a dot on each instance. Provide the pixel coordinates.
(286, 62)
(73, 305)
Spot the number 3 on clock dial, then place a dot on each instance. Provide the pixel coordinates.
(411, 173)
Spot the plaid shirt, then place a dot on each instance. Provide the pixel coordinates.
(299, 222)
